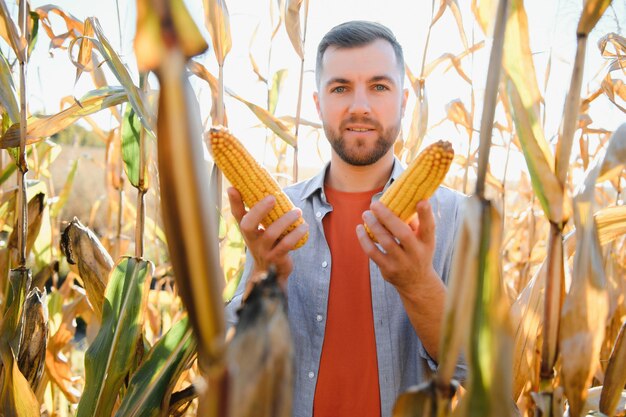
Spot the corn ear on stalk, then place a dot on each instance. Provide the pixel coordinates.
(418, 182)
(250, 178)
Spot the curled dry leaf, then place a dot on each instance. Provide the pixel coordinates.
(31, 358)
(82, 248)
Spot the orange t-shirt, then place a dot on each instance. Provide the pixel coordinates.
(347, 383)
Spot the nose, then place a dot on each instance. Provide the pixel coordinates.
(360, 102)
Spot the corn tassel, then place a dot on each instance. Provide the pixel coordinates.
(249, 178)
(418, 182)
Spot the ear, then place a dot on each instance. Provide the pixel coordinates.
(405, 97)
(316, 99)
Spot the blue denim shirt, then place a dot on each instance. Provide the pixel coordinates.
(402, 360)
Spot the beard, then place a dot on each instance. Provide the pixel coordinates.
(360, 153)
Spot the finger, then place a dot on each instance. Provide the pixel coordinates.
(382, 235)
(250, 221)
(396, 227)
(273, 231)
(368, 245)
(236, 203)
(289, 241)
(426, 222)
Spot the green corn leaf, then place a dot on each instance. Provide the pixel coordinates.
(61, 201)
(490, 340)
(110, 357)
(274, 92)
(154, 380)
(525, 97)
(8, 96)
(131, 138)
(40, 127)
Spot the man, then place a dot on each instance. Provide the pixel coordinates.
(364, 318)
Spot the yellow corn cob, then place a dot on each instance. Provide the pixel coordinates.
(418, 182)
(250, 178)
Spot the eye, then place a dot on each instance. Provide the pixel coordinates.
(339, 89)
(380, 87)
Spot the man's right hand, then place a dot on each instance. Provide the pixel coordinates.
(263, 244)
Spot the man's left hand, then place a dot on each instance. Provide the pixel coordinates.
(405, 255)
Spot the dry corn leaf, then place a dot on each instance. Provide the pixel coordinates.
(32, 356)
(40, 127)
(217, 20)
(82, 248)
(84, 61)
(8, 95)
(458, 114)
(461, 293)
(615, 378)
(419, 120)
(456, 12)
(16, 396)
(74, 26)
(592, 12)
(569, 122)
(110, 357)
(36, 207)
(268, 119)
(152, 384)
(188, 210)
(585, 310)
(134, 94)
(10, 33)
(292, 24)
(484, 12)
(618, 43)
(201, 71)
(57, 364)
(614, 89)
(455, 61)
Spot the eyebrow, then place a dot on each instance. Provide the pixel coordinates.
(376, 78)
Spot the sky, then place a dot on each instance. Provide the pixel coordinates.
(552, 29)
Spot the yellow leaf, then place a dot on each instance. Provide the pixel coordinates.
(292, 24)
(217, 21)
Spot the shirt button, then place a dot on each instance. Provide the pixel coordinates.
(319, 317)
(324, 264)
(311, 375)
(318, 214)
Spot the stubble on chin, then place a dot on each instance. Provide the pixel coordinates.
(359, 154)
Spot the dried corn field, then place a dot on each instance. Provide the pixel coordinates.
(119, 311)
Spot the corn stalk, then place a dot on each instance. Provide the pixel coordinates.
(189, 212)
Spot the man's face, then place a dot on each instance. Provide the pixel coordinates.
(361, 101)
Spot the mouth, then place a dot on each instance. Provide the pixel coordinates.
(359, 129)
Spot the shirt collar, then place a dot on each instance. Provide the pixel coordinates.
(316, 183)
